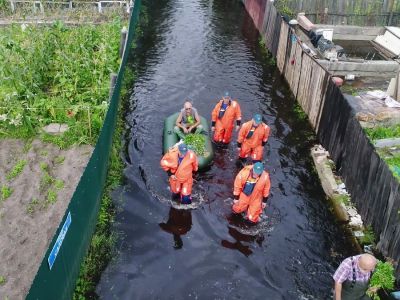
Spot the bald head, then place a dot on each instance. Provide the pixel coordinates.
(367, 262)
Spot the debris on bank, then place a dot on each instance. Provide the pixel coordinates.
(336, 191)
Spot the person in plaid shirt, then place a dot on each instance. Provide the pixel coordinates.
(352, 277)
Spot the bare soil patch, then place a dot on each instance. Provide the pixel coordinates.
(30, 216)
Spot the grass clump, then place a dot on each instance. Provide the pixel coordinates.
(382, 278)
(2, 280)
(6, 192)
(59, 160)
(33, 204)
(196, 142)
(51, 196)
(18, 168)
(369, 236)
(59, 184)
(378, 133)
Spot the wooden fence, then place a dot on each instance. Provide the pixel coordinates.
(42, 6)
(374, 189)
(347, 12)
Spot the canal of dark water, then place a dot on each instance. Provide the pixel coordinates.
(197, 49)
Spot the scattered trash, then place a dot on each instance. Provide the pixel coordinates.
(368, 249)
(341, 189)
(390, 102)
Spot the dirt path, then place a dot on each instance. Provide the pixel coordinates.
(31, 214)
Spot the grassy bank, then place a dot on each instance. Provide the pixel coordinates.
(56, 74)
(392, 158)
(102, 246)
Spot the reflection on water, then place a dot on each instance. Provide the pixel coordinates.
(178, 224)
(198, 49)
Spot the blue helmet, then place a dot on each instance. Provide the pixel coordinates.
(258, 168)
(257, 119)
(182, 148)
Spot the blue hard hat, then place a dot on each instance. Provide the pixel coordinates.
(258, 168)
(257, 119)
(182, 148)
(226, 94)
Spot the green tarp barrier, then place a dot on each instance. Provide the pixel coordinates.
(59, 282)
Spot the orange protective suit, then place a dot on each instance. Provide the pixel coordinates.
(253, 202)
(253, 146)
(224, 125)
(181, 181)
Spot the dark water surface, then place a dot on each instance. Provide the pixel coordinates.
(198, 49)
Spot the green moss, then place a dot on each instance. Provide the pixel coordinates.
(344, 199)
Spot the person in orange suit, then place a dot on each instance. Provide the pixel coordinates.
(251, 191)
(252, 137)
(180, 163)
(223, 117)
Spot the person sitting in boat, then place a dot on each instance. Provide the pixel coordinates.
(223, 118)
(180, 163)
(352, 277)
(252, 137)
(251, 191)
(188, 121)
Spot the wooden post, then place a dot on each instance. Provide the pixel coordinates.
(12, 6)
(113, 80)
(122, 43)
(391, 6)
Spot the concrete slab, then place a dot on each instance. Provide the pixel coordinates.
(383, 143)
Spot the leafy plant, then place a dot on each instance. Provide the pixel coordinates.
(196, 142)
(5, 192)
(382, 278)
(18, 168)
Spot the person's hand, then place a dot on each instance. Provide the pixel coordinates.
(190, 129)
(373, 290)
(185, 130)
(237, 128)
(213, 128)
(173, 177)
(235, 201)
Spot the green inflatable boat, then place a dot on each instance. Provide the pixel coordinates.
(170, 139)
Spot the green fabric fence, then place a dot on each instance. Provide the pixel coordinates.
(59, 282)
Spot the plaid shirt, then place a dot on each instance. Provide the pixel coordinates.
(345, 271)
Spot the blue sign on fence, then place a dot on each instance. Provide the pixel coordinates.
(53, 254)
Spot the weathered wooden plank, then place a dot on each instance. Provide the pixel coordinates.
(281, 52)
